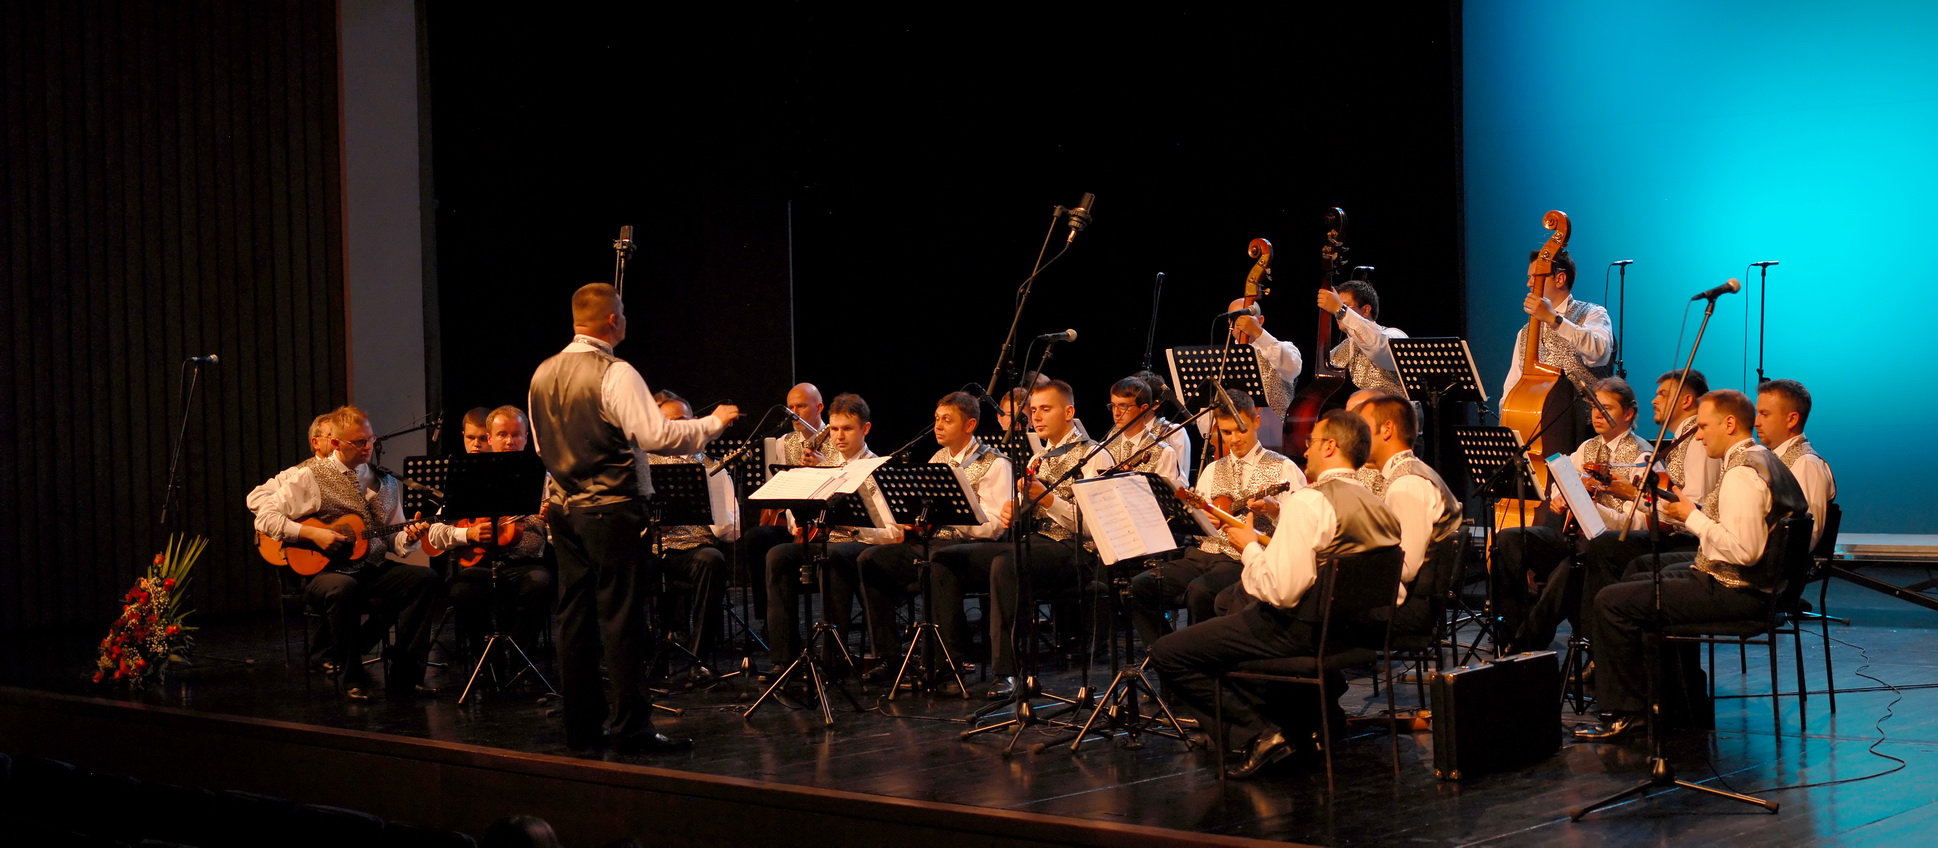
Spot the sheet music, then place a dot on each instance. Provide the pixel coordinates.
(856, 473)
(1122, 517)
(807, 483)
(1561, 469)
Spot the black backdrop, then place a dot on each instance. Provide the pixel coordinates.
(879, 181)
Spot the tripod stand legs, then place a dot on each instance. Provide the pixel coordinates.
(1128, 686)
(813, 665)
(932, 631)
(491, 645)
(1662, 774)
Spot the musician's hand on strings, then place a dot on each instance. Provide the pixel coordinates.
(480, 531)
(810, 456)
(322, 537)
(1558, 505)
(415, 530)
(1248, 327)
(1032, 488)
(1241, 536)
(1329, 301)
(1539, 307)
(1620, 488)
(1679, 509)
(1268, 507)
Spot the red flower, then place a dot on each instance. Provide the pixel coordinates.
(174, 629)
(169, 583)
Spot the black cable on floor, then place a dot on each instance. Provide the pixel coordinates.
(1889, 712)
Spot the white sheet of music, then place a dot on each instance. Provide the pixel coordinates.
(1561, 469)
(800, 484)
(1122, 517)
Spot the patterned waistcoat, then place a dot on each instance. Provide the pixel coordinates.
(1786, 498)
(982, 458)
(1278, 392)
(1228, 481)
(1052, 464)
(342, 495)
(1363, 372)
(1448, 521)
(1626, 451)
(1557, 352)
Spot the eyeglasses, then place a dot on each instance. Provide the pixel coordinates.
(1124, 407)
(359, 444)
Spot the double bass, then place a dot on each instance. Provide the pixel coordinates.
(1311, 400)
(1256, 281)
(1521, 408)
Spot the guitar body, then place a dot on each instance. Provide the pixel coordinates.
(506, 531)
(1191, 499)
(303, 557)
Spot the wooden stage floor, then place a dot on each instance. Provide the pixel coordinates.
(909, 749)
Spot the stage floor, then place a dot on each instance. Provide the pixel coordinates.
(910, 749)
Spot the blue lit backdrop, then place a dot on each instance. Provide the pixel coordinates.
(1695, 138)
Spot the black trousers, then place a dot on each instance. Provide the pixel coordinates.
(393, 592)
(753, 546)
(1627, 613)
(992, 566)
(601, 614)
(785, 564)
(1518, 552)
(1189, 660)
(699, 574)
(887, 574)
(1191, 581)
(526, 590)
(1606, 561)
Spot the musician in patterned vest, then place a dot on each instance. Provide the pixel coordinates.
(694, 555)
(804, 401)
(1193, 581)
(1331, 519)
(1782, 408)
(1729, 579)
(1179, 438)
(1278, 363)
(525, 585)
(1575, 337)
(1428, 512)
(1608, 557)
(329, 488)
(1133, 415)
(1364, 354)
(1049, 517)
(1541, 553)
(791, 567)
(593, 420)
(887, 571)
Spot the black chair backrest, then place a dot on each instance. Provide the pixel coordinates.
(1788, 552)
(1826, 548)
(1354, 591)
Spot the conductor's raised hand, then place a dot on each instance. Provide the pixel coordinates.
(727, 413)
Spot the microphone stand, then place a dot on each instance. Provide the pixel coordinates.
(1023, 296)
(428, 422)
(1621, 312)
(1762, 302)
(181, 434)
(1150, 335)
(1662, 772)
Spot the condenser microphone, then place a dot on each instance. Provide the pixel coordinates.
(1080, 216)
(211, 359)
(1224, 404)
(1065, 336)
(1729, 287)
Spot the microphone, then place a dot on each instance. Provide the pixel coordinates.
(1223, 401)
(1160, 278)
(1765, 263)
(1726, 288)
(797, 419)
(211, 359)
(1080, 216)
(625, 237)
(1251, 310)
(1065, 336)
(1621, 262)
(437, 426)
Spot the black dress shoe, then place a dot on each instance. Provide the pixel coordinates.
(357, 694)
(1264, 751)
(1002, 690)
(653, 743)
(1617, 728)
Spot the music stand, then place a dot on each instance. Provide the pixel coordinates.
(428, 473)
(1497, 467)
(930, 495)
(1438, 369)
(494, 484)
(1193, 369)
(1130, 682)
(747, 474)
(680, 499)
(839, 510)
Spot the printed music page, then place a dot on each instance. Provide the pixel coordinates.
(1122, 517)
(800, 484)
(1561, 469)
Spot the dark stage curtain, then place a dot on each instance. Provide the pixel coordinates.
(172, 190)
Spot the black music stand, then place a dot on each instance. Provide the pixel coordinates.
(837, 510)
(1497, 467)
(1439, 369)
(495, 484)
(1130, 682)
(930, 495)
(680, 499)
(1194, 368)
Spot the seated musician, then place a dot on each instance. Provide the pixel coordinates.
(1049, 518)
(1782, 408)
(320, 434)
(887, 571)
(1278, 364)
(1364, 353)
(1179, 438)
(804, 400)
(791, 567)
(1138, 448)
(526, 586)
(1543, 554)
(1333, 518)
(1727, 581)
(1194, 580)
(1429, 514)
(330, 488)
(695, 555)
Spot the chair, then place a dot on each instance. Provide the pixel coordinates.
(1788, 550)
(1352, 593)
(1822, 556)
(1416, 640)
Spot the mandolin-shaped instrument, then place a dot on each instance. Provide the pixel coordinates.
(1191, 499)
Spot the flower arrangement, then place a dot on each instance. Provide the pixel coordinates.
(151, 631)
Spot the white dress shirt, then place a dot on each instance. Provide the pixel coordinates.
(1593, 340)
(1738, 534)
(1612, 519)
(1280, 574)
(995, 488)
(1417, 503)
(1819, 486)
(1365, 334)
